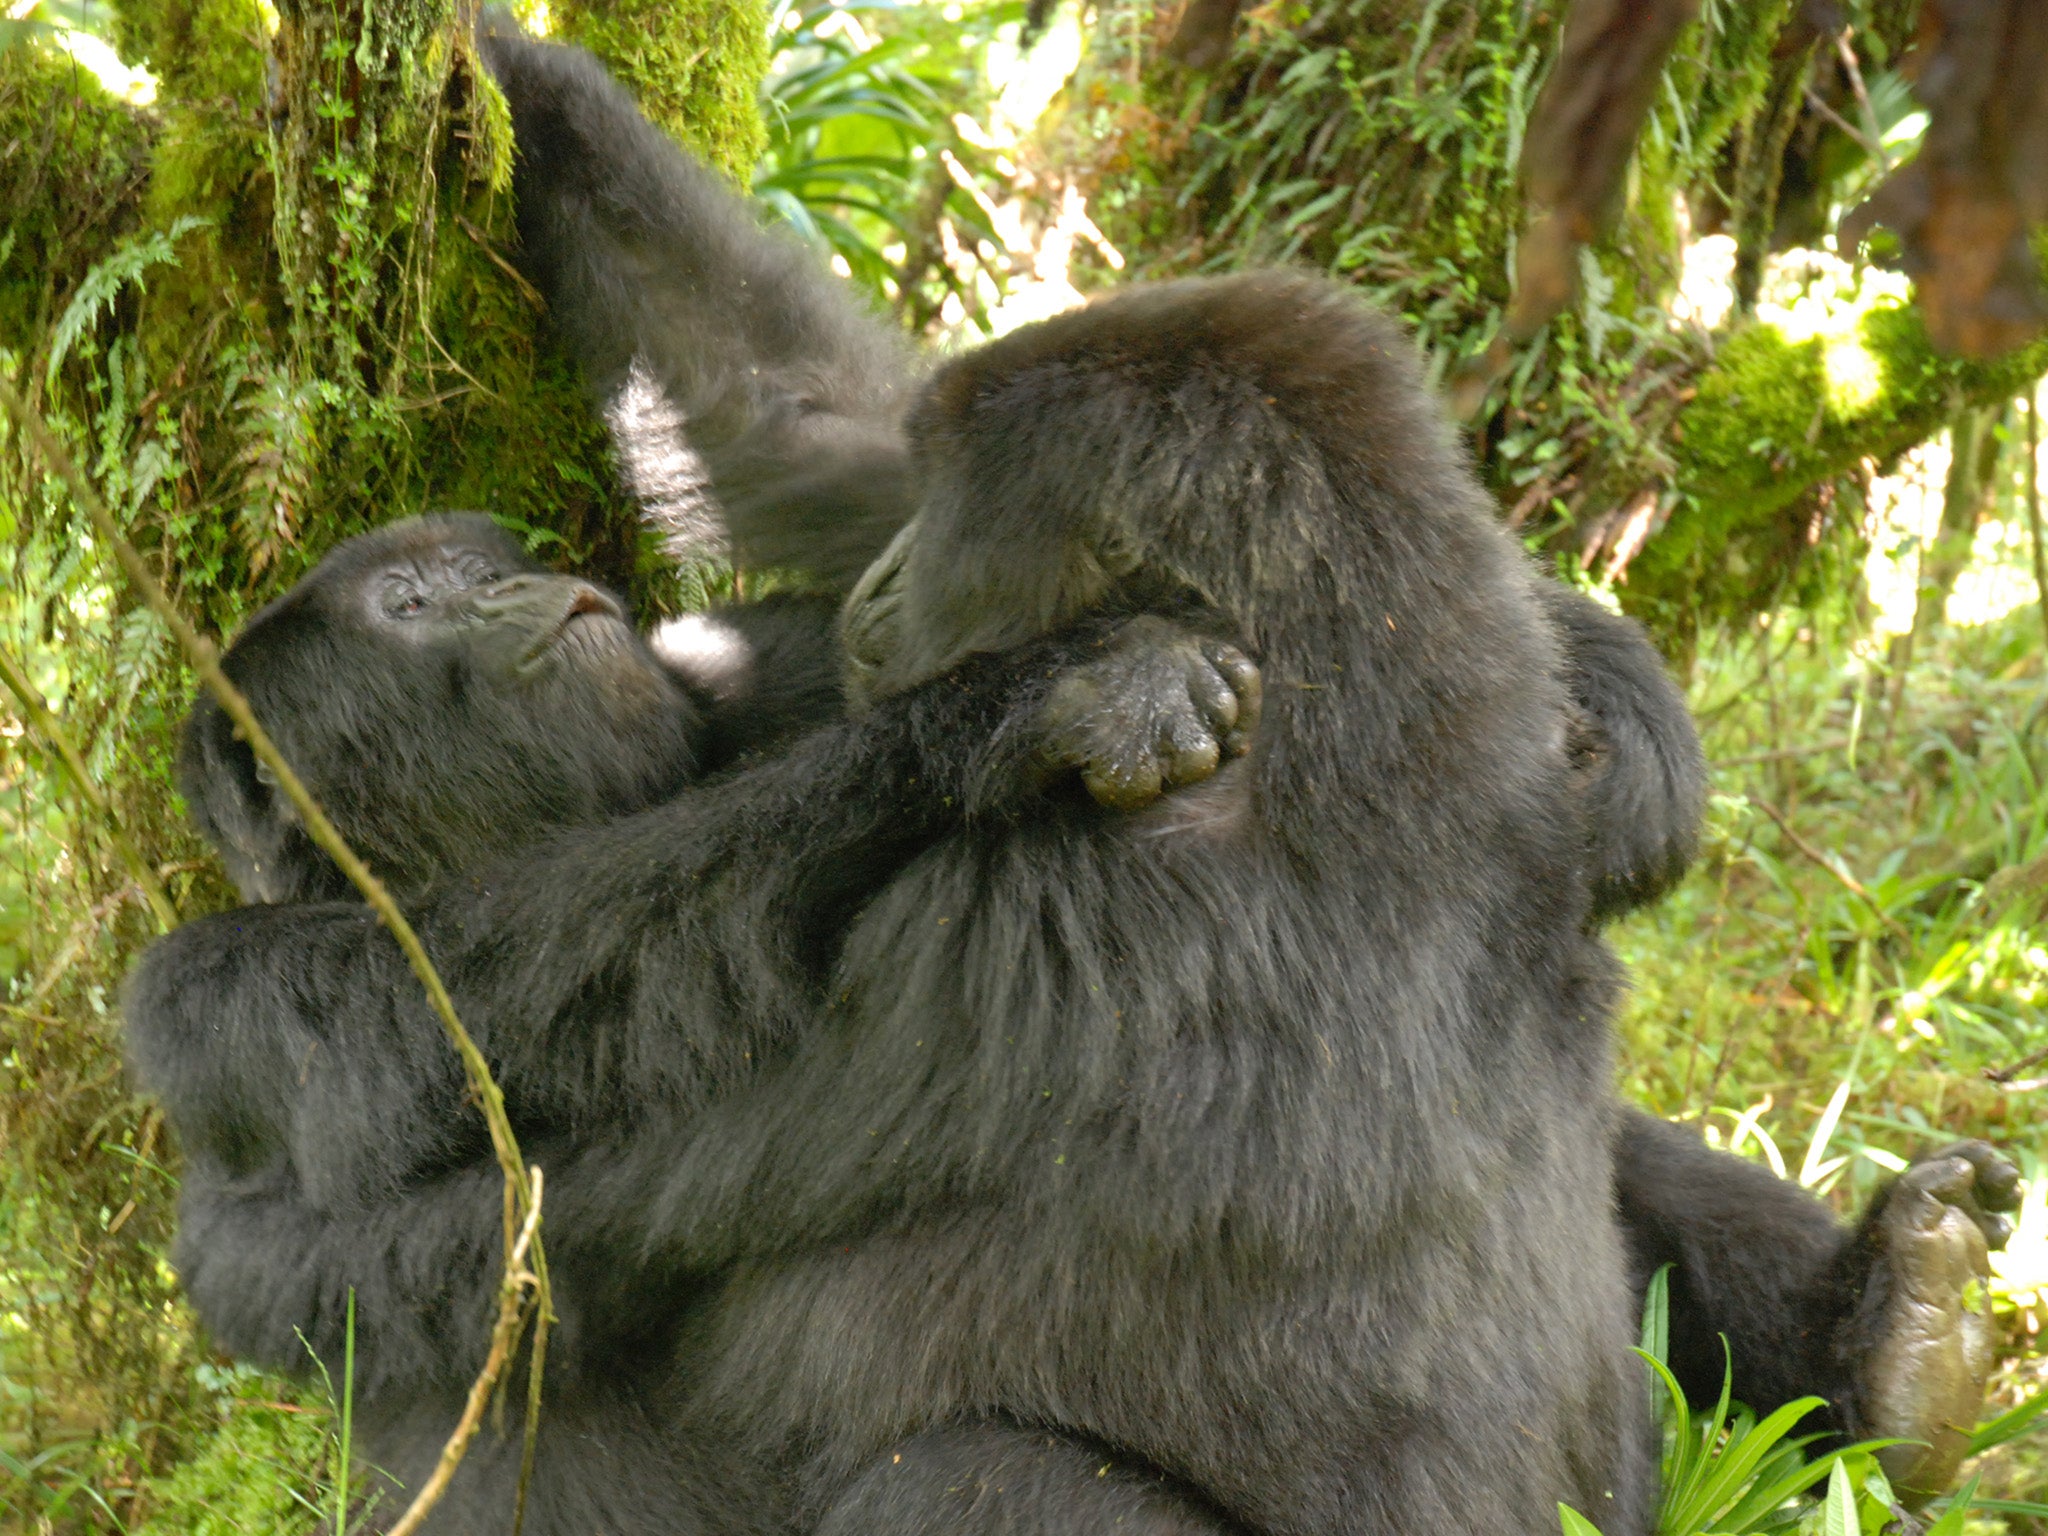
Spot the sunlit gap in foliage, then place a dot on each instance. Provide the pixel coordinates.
(1903, 519)
(894, 132)
(79, 27)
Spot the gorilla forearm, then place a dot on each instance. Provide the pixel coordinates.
(1771, 1293)
(1748, 1252)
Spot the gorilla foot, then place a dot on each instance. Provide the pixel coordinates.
(1925, 1320)
(1163, 708)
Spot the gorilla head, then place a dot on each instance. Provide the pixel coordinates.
(445, 696)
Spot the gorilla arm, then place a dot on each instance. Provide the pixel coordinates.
(642, 962)
(724, 357)
(1878, 1318)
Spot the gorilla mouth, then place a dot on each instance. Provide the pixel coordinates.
(591, 624)
(869, 624)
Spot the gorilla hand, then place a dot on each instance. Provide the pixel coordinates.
(1163, 708)
(1925, 1325)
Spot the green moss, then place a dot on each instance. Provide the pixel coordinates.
(1777, 415)
(695, 65)
(261, 1474)
(210, 161)
(72, 164)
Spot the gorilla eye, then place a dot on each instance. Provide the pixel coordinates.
(408, 605)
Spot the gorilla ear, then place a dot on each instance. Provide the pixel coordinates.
(235, 801)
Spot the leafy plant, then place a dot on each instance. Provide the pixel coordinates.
(1728, 1473)
(864, 158)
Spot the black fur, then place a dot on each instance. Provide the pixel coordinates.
(1647, 774)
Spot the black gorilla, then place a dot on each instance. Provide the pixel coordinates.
(1261, 1136)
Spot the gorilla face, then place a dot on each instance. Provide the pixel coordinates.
(450, 694)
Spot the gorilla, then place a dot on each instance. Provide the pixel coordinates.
(979, 1159)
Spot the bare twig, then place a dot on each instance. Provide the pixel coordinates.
(2007, 1074)
(1869, 145)
(38, 717)
(1780, 754)
(2034, 500)
(522, 1190)
(518, 1280)
(1848, 881)
(1872, 133)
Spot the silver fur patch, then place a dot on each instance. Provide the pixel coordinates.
(663, 472)
(713, 656)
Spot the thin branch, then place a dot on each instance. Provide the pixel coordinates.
(1854, 71)
(517, 1281)
(2004, 1075)
(1780, 754)
(1848, 881)
(2034, 500)
(37, 715)
(522, 1191)
(1869, 145)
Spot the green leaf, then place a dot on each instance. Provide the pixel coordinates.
(1656, 1340)
(1574, 1523)
(1838, 1511)
(1952, 1518)
(2011, 1424)
(105, 281)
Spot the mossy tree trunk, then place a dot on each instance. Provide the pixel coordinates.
(1380, 139)
(270, 311)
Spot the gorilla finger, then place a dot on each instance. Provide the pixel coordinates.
(1192, 755)
(1945, 1179)
(1998, 1177)
(1213, 695)
(1122, 786)
(1990, 1186)
(1246, 681)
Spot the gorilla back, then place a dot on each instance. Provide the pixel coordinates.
(1262, 1134)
